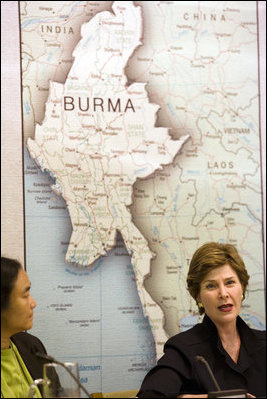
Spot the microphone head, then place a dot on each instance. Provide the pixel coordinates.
(200, 359)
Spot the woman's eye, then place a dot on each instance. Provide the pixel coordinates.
(209, 286)
(230, 282)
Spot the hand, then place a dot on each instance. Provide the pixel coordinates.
(250, 396)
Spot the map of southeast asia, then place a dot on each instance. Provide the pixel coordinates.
(142, 141)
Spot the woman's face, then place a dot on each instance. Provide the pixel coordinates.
(19, 314)
(221, 294)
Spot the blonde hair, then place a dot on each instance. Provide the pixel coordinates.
(208, 257)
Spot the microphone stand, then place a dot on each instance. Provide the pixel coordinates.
(53, 360)
(201, 359)
(230, 393)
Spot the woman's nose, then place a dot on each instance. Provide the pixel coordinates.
(223, 293)
(33, 303)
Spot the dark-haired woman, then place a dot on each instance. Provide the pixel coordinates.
(19, 364)
(217, 280)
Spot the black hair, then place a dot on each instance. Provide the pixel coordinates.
(9, 273)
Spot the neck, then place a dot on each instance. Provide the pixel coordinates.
(5, 343)
(227, 331)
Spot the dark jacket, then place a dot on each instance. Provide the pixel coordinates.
(178, 372)
(28, 345)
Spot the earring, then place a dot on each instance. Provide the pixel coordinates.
(200, 305)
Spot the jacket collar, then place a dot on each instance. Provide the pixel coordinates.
(247, 335)
(249, 342)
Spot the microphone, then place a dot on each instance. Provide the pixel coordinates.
(53, 360)
(230, 393)
(200, 359)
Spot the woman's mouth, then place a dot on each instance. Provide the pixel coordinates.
(226, 308)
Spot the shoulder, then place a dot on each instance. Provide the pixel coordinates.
(28, 345)
(181, 349)
(251, 333)
(194, 335)
(253, 340)
(259, 336)
(28, 341)
(24, 337)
